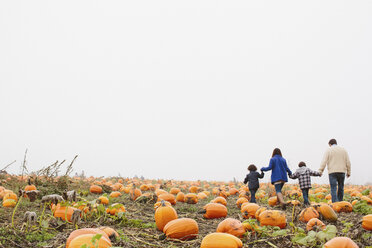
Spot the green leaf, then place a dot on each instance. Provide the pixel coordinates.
(283, 232)
(327, 234)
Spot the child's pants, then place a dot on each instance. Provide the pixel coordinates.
(305, 195)
(253, 195)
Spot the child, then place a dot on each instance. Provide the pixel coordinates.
(303, 174)
(252, 178)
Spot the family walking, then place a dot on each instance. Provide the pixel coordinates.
(335, 158)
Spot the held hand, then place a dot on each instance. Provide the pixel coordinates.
(348, 175)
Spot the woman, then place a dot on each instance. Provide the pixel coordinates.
(279, 168)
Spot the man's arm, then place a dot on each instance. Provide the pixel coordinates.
(324, 162)
(348, 165)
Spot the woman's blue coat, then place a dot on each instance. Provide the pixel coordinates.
(279, 168)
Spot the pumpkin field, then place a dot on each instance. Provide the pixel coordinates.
(62, 211)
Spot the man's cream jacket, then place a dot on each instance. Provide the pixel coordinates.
(337, 160)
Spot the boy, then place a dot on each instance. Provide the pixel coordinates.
(252, 178)
(303, 174)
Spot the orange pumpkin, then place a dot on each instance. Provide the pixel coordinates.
(340, 242)
(134, 193)
(231, 226)
(111, 233)
(240, 201)
(163, 215)
(86, 239)
(183, 229)
(326, 211)
(273, 218)
(272, 201)
(103, 200)
(63, 212)
(180, 197)
(83, 231)
(30, 187)
(214, 210)
(220, 200)
(9, 203)
(191, 198)
(342, 206)
(258, 212)
(307, 214)
(313, 223)
(115, 194)
(367, 222)
(167, 197)
(249, 210)
(221, 240)
(95, 189)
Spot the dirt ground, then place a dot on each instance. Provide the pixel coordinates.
(139, 229)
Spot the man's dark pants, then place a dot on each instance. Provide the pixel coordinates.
(336, 180)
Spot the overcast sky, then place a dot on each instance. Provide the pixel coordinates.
(185, 89)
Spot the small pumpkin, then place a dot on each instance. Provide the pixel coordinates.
(163, 215)
(103, 200)
(191, 198)
(231, 226)
(201, 195)
(315, 223)
(221, 240)
(272, 201)
(134, 193)
(115, 194)
(174, 191)
(258, 212)
(183, 229)
(340, 242)
(9, 203)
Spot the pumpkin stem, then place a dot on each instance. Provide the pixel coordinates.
(202, 211)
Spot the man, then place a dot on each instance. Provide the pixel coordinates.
(338, 163)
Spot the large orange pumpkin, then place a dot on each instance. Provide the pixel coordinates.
(167, 197)
(221, 240)
(340, 242)
(231, 226)
(180, 197)
(191, 198)
(86, 239)
(183, 229)
(82, 231)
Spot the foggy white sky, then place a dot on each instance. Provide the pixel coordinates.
(185, 90)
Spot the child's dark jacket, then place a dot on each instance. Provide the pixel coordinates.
(252, 179)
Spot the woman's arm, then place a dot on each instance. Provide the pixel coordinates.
(287, 169)
(270, 167)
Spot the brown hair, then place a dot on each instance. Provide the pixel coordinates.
(277, 152)
(301, 164)
(332, 142)
(252, 167)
